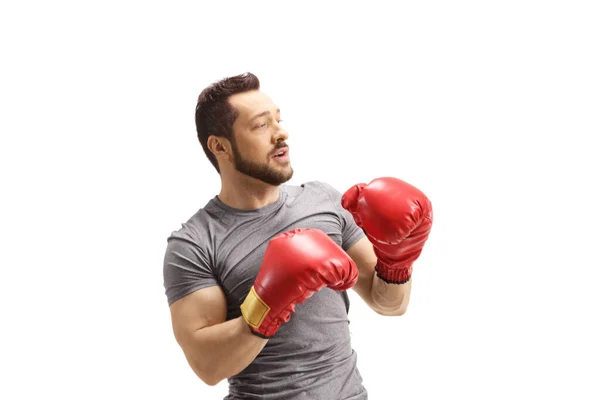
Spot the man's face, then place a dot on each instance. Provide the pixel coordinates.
(258, 145)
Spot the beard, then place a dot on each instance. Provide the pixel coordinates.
(261, 171)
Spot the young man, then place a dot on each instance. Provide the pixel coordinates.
(256, 280)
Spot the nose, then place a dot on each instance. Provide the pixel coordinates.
(280, 135)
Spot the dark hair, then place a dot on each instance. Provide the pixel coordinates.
(214, 115)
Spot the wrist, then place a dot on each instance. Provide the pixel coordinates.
(394, 274)
(258, 315)
(258, 334)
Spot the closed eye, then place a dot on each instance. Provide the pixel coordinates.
(260, 126)
(265, 124)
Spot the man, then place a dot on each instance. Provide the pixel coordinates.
(256, 280)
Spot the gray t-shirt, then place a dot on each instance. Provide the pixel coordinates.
(310, 356)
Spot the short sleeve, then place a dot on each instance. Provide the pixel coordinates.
(186, 268)
(351, 232)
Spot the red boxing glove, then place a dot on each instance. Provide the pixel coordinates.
(296, 264)
(396, 218)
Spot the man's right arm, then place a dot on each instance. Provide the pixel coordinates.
(215, 349)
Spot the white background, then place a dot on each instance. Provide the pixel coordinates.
(491, 108)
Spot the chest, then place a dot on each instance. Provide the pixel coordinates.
(239, 254)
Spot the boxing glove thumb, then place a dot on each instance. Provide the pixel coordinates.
(350, 200)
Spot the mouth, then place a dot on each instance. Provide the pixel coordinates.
(281, 152)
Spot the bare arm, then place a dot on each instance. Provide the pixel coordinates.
(215, 349)
(384, 298)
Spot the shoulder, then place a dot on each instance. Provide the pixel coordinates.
(194, 231)
(313, 191)
(316, 193)
(324, 189)
(189, 247)
(320, 186)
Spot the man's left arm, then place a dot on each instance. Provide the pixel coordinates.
(383, 298)
(396, 218)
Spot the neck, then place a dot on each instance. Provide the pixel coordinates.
(246, 193)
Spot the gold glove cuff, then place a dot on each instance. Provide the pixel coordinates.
(254, 309)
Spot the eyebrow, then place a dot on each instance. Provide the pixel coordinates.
(262, 114)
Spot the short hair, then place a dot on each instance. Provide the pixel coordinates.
(214, 115)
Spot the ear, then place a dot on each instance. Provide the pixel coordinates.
(219, 146)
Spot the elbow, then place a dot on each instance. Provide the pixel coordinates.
(206, 374)
(390, 308)
(211, 381)
(398, 312)
(208, 377)
(391, 312)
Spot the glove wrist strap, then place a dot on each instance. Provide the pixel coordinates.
(397, 276)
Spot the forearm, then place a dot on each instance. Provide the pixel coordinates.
(390, 299)
(223, 350)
